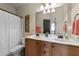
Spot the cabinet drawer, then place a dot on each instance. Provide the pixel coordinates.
(31, 42)
(45, 44)
(46, 52)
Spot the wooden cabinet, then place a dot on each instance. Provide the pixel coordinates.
(31, 48)
(64, 50)
(27, 17)
(37, 48)
(45, 48)
(42, 48)
(58, 50)
(73, 51)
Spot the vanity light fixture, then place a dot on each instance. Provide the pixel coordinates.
(48, 11)
(52, 10)
(42, 7)
(44, 12)
(47, 5)
(47, 8)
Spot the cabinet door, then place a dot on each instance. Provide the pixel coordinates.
(27, 23)
(31, 47)
(59, 50)
(73, 51)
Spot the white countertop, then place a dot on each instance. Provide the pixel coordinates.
(55, 39)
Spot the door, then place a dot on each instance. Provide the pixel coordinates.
(46, 26)
(27, 23)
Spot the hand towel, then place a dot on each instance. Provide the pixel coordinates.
(38, 29)
(75, 29)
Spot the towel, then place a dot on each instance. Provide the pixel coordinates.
(65, 27)
(38, 29)
(75, 28)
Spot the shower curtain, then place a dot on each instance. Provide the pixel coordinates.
(10, 32)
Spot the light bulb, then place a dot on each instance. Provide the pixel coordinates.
(47, 5)
(48, 11)
(53, 10)
(42, 7)
(44, 12)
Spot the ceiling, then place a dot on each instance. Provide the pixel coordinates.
(16, 5)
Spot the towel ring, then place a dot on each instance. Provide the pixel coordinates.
(76, 16)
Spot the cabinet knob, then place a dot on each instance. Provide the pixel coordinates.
(52, 46)
(36, 43)
(44, 44)
(44, 52)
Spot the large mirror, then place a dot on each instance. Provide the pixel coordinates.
(53, 22)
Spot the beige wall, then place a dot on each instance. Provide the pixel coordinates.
(29, 9)
(8, 7)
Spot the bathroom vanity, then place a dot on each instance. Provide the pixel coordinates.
(50, 46)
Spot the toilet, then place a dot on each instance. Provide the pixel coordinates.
(16, 50)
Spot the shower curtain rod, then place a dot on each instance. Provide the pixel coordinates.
(11, 13)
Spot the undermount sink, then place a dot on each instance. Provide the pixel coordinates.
(66, 40)
(55, 38)
(61, 39)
